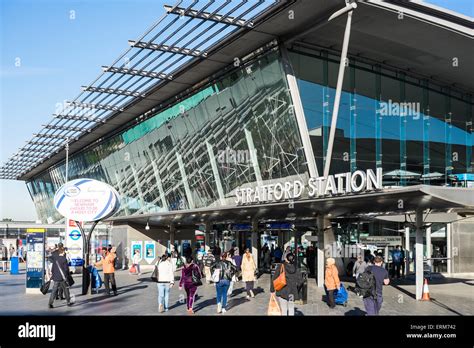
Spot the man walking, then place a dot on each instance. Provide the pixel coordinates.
(397, 260)
(208, 260)
(373, 303)
(59, 271)
(108, 266)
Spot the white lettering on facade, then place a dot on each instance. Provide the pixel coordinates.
(338, 184)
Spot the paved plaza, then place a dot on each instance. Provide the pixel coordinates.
(137, 295)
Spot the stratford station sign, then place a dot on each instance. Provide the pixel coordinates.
(334, 185)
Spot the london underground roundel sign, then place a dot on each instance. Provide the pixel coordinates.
(86, 200)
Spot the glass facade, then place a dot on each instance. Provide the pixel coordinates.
(415, 130)
(236, 131)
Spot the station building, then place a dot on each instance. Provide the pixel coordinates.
(226, 114)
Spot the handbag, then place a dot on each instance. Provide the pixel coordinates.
(68, 279)
(273, 306)
(133, 269)
(280, 282)
(196, 277)
(155, 274)
(45, 287)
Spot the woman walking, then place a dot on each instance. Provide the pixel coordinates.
(165, 282)
(331, 280)
(188, 272)
(224, 271)
(248, 273)
(136, 262)
(289, 293)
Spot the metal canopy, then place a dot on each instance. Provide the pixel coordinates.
(384, 202)
(181, 36)
(226, 30)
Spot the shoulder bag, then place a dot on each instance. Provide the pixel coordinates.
(280, 282)
(68, 279)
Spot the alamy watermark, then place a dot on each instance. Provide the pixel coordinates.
(231, 156)
(403, 109)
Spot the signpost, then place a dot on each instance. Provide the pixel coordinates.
(75, 243)
(85, 200)
(35, 262)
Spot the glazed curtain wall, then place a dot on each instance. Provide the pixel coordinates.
(428, 139)
(237, 131)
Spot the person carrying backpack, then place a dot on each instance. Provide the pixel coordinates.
(222, 272)
(208, 260)
(370, 286)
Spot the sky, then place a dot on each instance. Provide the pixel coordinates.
(49, 48)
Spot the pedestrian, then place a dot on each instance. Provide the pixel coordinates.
(136, 262)
(108, 266)
(311, 259)
(222, 272)
(359, 267)
(266, 259)
(165, 282)
(59, 271)
(248, 273)
(397, 260)
(234, 278)
(331, 280)
(208, 261)
(290, 292)
(373, 302)
(199, 257)
(287, 251)
(187, 272)
(278, 254)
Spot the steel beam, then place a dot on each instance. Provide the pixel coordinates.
(65, 128)
(77, 118)
(208, 16)
(135, 72)
(166, 48)
(95, 106)
(112, 91)
(51, 136)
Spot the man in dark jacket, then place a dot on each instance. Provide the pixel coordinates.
(290, 292)
(59, 273)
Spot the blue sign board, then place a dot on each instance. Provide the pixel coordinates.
(35, 241)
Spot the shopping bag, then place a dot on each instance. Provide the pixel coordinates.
(133, 269)
(273, 306)
(280, 282)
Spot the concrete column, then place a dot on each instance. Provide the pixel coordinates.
(320, 252)
(255, 234)
(429, 252)
(407, 250)
(449, 247)
(281, 239)
(419, 255)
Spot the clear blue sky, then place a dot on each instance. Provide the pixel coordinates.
(57, 55)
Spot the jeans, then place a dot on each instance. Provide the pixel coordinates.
(59, 285)
(163, 294)
(221, 288)
(137, 266)
(373, 305)
(287, 307)
(110, 277)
